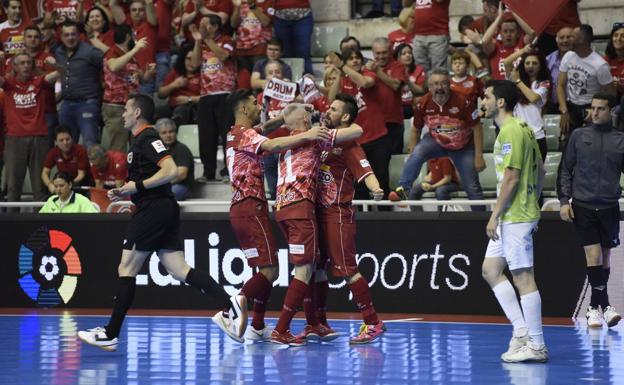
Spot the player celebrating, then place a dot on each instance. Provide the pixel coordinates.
(155, 226)
(249, 214)
(520, 172)
(341, 169)
(295, 211)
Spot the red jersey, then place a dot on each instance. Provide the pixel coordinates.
(192, 88)
(370, 116)
(24, 107)
(244, 163)
(450, 125)
(431, 17)
(283, 4)
(417, 77)
(70, 163)
(251, 36)
(218, 77)
(469, 87)
(12, 38)
(41, 65)
(163, 34)
(497, 58)
(144, 30)
(617, 70)
(398, 36)
(118, 85)
(439, 167)
(65, 8)
(391, 102)
(271, 108)
(297, 177)
(342, 168)
(117, 169)
(108, 38)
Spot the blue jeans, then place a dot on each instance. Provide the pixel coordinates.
(295, 36)
(163, 66)
(83, 118)
(463, 160)
(180, 191)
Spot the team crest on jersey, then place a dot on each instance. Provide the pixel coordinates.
(468, 84)
(129, 157)
(324, 156)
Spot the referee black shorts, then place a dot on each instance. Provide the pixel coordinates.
(155, 225)
(598, 226)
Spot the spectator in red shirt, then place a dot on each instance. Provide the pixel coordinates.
(68, 157)
(481, 24)
(98, 29)
(213, 50)
(27, 131)
(251, 20)
(462, 82)
(196, 10)
(57, 11)
(431, 33)
(109, 169)
(183, 88)
(11, 32)
(441, 179)
(615, 56)
(414, 86)
(405, 34)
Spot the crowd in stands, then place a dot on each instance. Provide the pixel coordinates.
(67, 70)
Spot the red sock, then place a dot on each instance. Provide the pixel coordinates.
(294, 297)
(309, 304)
(362, 296)
(258, 290)
(322, 288)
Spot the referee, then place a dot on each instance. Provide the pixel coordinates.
(590, 177)
(154, 226)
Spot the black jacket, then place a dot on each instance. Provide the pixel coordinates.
(591, 167)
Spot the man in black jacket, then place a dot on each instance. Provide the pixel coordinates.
(590, 176)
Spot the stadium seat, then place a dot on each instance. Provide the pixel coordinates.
(189, 135)
(296, 66)
(489, 135)
(550, 181)
(552, 130)
(397, 162)
(326, 38)
(487, 177)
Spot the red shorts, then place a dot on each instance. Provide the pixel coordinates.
(255, 237)
(337, 245)
(302, 238)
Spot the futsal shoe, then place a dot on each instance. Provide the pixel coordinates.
(398, 194)
(227, 326)
(594, 317)
(368, 333)
(238, 314)
(528, 354)
(515, 344)
(319, 332)
(254, 334)
(97, 337)
(611, 317)
(286, 338)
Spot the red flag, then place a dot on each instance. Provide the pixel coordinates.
(536, 13)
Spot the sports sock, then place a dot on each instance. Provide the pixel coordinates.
(507, 299)
(294, 297)
(309, 303)
(322, 288)
(532, 308)
(201, 280)
(258, 290)
(364, 302)
(597, 279)
(607, 273)
(121, 304)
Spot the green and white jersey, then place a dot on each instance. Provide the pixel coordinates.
(516, 147)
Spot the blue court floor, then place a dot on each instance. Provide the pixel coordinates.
(177, 350)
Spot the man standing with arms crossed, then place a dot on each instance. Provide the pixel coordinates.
(519, 173)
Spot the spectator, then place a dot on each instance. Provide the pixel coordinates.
(182, 157)
(481, 24)
(532, 79)
(65, 200)
(163, 39)
(350, 42)
(567, 16)
(122, 75)
(213, 50)
(80, 84)
(56, 12)
(565, 40)
(109, 169)
(196, 10)
(441, 179)
(464, 84)
(11, 31)
(273, 52)
(392, 76)
(26, 139)
(293, 25)
(182, 87)
(615, 56)
(98, 29)
(511, 41)
(405, 34)
(415, 84)
(431, 33)
(252, 22)
(582, 74)
(453, 132)
(68, 157)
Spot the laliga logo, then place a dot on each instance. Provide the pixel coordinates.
(49, 267)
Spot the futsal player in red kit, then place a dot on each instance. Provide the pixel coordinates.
(249, 214)
(296, 212)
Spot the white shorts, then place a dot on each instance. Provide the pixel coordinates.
(515, 244)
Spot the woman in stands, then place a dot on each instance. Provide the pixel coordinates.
(182, 87)
(532, 78)
(416, 75)
(65, 200)
(98, 29)
(615, 56)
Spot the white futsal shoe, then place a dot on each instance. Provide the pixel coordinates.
(227, 326)
(253, 334)
(594, 317)
(611, 317)
(528, 353)
(238, 314)
(97, 337)
(515, 345)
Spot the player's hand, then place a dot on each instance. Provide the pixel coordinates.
(492, 227)
(377, 194)
(479, 163)
(117, 193)
(319, 133)
(566, 213)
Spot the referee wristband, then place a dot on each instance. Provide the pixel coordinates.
(140, 186)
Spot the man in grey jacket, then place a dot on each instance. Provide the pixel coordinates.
(590, 177)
